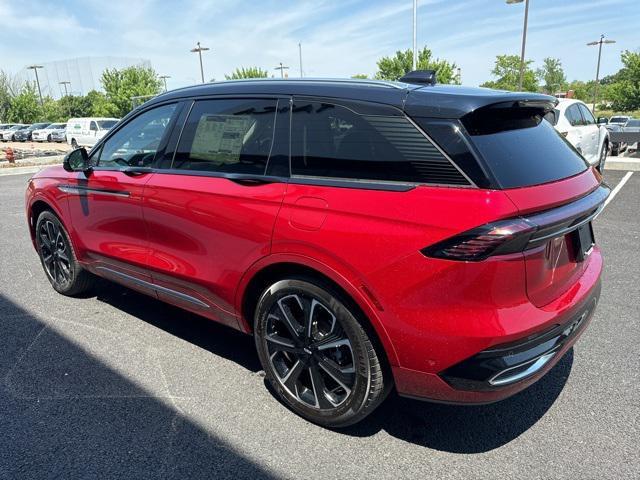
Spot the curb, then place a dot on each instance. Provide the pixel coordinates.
(621, 163)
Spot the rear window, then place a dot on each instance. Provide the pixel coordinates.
(520, 148)
(618, 119)
(106, 124)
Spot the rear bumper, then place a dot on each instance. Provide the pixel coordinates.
(508, 367)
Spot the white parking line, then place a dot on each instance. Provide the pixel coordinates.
(618, 187)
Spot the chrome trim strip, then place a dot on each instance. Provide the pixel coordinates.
(156, 288)
(535, 365)
(79, 190)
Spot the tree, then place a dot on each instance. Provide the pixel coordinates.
(8, 90)
(249, 72)
(582, 90)
(552, 75)
(392, 68)
(507, 71)
(625, 92)
(360, 76)
(25, 107)
(99, 105)
(51, 111)
(121, 86)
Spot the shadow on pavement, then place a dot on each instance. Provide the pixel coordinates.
(456, 429)
(65, 414)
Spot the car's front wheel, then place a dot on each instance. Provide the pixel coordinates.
(316, 355)
(58, 258)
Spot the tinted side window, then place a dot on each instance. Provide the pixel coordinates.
(573, 115)
(93, 126)
(227, 136)
(333, 141)
(136, 143)
(586, 115)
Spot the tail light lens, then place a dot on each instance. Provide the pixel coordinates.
(499, 238)
(519, 233)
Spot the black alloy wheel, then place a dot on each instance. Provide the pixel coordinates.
(58, 258)
(316, 355)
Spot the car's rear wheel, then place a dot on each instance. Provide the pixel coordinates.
(74, 144)
(49, 138)
(316, 355)
(603, 156)
(58, 258)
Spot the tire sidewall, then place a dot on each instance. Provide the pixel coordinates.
(360, 392)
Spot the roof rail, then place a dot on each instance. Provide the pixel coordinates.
(420, 77)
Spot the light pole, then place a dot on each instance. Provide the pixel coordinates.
(65, 83)
(282, 68)
(164, 79)
(200, 49)
(459, 71)
(300, 53)
(524, 37)
(595, 89)
(414, 65)
(35, 69)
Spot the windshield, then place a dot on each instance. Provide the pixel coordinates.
(106, 124)
(618, 119)
(633, 123)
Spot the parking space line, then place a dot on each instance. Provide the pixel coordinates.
(618, 187)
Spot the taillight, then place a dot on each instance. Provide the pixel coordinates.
(499, 238)
(520, 233)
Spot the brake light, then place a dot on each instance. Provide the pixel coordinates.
(499, 238)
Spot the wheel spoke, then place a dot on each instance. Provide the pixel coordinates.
(51, 233)
(281, 344)
(292, 324)
(333, 344)
(44, 238)
(318, 386)
(62, 255)
(291, 378)
(344, 376)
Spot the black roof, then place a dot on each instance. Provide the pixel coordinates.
(443, 101)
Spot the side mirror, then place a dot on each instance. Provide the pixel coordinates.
(77, 161)
(603, 120)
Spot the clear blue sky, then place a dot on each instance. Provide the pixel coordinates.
(339, 38)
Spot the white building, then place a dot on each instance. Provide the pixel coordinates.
(83, 74)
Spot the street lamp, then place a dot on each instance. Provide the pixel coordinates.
(415, 35)
(65, 83)
(282, 68)
(599, 43)
(35, 69)
(524, 37)
(300, 52)
(200, 49)
(164, 79)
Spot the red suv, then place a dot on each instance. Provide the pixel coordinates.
(370, 235)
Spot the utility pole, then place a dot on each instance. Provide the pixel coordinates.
(524, 37)
(415, 35)
(300, 53)
(164, 79)
(282, 68)
(595, 89)
(200, 49)
(65, 83)
(35, 69)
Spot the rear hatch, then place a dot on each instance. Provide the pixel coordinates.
(549, 182)
(511, 147)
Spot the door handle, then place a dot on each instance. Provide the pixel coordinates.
(136, 171)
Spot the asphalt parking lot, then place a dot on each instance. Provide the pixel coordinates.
(118, 385)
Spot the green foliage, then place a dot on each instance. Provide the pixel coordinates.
(100, 106)
(121, 86)
(73, 106)
(507, 73)
(625, 92)
(361, 76)
(7, 92)
(392, 68)
(25, 106)
(552, 75)
(249, 72)
(51, 111)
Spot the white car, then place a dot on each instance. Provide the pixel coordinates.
(85, 132)
(44, 134)
(574, 120)
(6, 134)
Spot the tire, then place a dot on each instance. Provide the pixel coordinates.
(58, 259)
(326, 369)
(603, 157)
(74, 144)
(49, 138)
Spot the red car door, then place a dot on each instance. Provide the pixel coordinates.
(211, 209)
(105, 204)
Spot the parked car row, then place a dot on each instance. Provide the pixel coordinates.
(84, 132)
(36, 132)
(620, 123)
